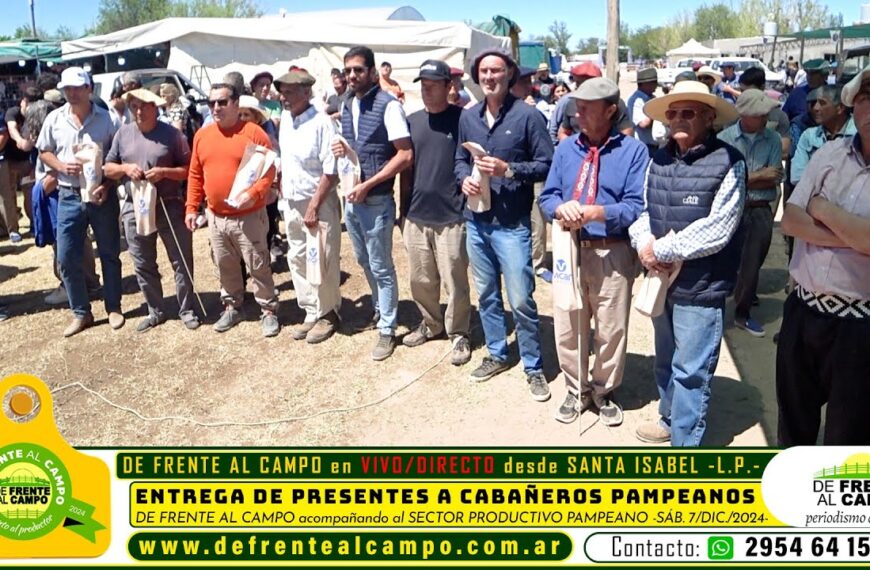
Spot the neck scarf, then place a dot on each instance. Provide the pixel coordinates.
(587, 176)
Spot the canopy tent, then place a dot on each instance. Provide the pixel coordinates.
(504, 26)
(859, 31)
(693, 48)
(24, 50)
(310, 40)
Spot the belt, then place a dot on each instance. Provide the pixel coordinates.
(758, 204)
(68, 186)
(835, 305)
(601, 242)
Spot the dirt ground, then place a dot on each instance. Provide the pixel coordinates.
(280, 392)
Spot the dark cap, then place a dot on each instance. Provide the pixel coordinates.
(435, 70)
(647, 75)
(296, 77)
(526, 72)
(456, 72)
(261, 75)
(500, 52)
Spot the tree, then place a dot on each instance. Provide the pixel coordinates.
(807, 14)
(114, 15)
(25, 31)
(714, 22)
(589, 45)
(64, 33)
(216, 9)
(559, 37)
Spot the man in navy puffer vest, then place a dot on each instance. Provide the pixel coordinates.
(695, 192)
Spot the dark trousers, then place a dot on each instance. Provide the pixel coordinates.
(822, 358)
(758, 228)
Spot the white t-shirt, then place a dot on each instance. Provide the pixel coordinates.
(394, 120)
(305, 152)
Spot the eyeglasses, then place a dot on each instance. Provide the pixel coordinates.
(356, 70)
(212, 103)
(684, 114)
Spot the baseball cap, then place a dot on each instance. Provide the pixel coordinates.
(435, 70)
(74, 77)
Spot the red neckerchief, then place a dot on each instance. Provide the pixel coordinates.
(588, 172)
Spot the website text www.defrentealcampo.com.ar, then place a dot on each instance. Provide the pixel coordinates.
(351, 546)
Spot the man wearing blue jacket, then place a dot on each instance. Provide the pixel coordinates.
(595, 187)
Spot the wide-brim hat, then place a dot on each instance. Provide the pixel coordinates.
(502, 53)
(710, 72)
(251, 102)
(847, 95)
(691, 91)
(648, 75)
(144, 95)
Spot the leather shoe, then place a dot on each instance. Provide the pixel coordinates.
(116, 320)
(78, 324)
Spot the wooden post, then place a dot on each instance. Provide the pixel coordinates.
(612, 63)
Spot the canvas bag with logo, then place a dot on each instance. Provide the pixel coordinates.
(144, 196)
(483, 202)
(90, 155)
(315, 253)
(566, 269)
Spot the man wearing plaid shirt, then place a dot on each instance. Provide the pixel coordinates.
(694, 194)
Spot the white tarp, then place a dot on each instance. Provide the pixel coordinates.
(693, 47)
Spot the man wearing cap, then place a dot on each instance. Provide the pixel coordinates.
(17, 153)
(542, 75)
(309, 202)
(519, 153)
(728, 87)
(335, 100)
(695, 187)
(824, 346)
(434, 229)
(77, 121)
(709, 77)
(570, 125)
(833, 120)
(817, 71)
(762, 150)
(374, 124)
(151, 150)
(579, 73)
(777, 120)
(237, 231)
(261, 87)
(457, 95)
(595, 187)
(647, 82)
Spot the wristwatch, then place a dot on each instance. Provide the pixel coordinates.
(508, 172)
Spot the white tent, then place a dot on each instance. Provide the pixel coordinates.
(315, 41)
(692, 48)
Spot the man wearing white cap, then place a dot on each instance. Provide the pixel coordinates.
(156, 152)
(695, 189)
(823, 353)
(76, 122)
(762, 149)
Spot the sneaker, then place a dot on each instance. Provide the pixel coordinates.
(323, 328)
(229, 318)
(15, 237)
(191, 322)
(57, 296)
(78, 324)
(538, 387)
(300, 332)
(4, 313)
(545, 274)
(149, 323)
(653, 432)
(116, 320)
(461, 351)
(571, 408)
(419, 336)
(269, 323)
(750, 325)
(610, 413)
(488, 368)
(384, 348)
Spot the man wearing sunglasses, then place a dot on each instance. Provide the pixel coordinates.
(237, 231)
(374, 124)
(695, 190)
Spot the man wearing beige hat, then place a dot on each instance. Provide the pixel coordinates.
(156, 152)
(823, 353)
(695, 187)
(309, 201)
(762, 149)
(647, 82)
(595, 187)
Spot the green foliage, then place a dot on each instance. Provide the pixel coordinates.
(716, 21)
(216, 9)
(559, 37)
(116, 15)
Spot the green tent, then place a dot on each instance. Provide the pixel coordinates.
(848, 33)
(505, 27)
(29, 49)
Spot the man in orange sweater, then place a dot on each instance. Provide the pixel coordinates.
(238, 231)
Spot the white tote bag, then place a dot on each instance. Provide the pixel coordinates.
(566, 269)
(90, 155)
(315, 253)
(144, 196)
(483, 202)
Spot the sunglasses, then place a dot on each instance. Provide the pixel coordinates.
(212, 103)
(358, 70)
(684, 114)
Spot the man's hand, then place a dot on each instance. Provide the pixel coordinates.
(647, 255)
(244, 200)
(25, 144)
(773, 173)
(358, 193)
(133, 172)
(470, 187)
(155, 174)
(337, 149)
(99, 194)
(816, 207)
(310, 218)
(49, 183)
(71, 168)
(491, 165)
(190, 222)
(571, 213)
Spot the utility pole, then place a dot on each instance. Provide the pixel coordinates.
(612, 63)
(32, 18)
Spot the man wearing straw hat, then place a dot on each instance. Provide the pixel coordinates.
(647, 82)
(156, 152)
(595, 187)
(695, 189)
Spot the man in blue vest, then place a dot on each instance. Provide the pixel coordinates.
(695, 190)
(647, 82)
(374, 124)
(518, 154)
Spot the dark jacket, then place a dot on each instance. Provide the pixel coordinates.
(371, 144)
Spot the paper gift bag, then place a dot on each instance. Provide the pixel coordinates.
(650, 300)
(144, 196)
(566, 269)
(315, 253)
(256, 162)
(349, 171)
(90, 155)
(482, 202)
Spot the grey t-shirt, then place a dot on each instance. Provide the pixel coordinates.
(163, 146)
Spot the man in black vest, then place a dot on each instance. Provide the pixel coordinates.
(695, 190)
(374, 124)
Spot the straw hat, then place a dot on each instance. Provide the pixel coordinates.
(251, 102)
(144, 95)
(709, 71)
(691, 91)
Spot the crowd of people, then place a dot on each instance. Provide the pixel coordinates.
(681, 187)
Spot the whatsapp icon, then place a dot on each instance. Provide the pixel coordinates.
(720, 548)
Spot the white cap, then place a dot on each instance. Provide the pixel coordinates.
(847, 96)
(74, 77)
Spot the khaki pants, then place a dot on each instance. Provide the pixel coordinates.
(539, 232)
(606, 278)
(437, 254)
(8, 204)
(238, 238)
(315, 300)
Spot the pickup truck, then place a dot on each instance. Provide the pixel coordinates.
(667, 75)
(741, 64)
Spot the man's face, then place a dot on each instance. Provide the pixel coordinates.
(728, 71)
(261, 88)
(293, 95)
(77, 95)
(339, 83)
(710, 82)
(825, 111)
(130, 85)
(386, 71)
(494, 76)
(595, 117)
(224, 108)
(690, 121)
(145, 114)
(523, 87)
(543, 74)
(359, 77)
(453, 90)
(816, 78)
(753, 123)
(434, 92)
(648, 87)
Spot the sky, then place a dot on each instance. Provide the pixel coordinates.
(588, 19)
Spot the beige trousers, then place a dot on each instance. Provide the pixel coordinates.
(8, 204)
(539, 232)
(436, 255)
(238, 238)
(606, 278)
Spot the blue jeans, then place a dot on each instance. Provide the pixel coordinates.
(73, 217)
(370, 227)
(687, 340)
(496, 251)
